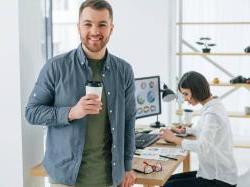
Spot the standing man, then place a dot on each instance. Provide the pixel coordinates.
(90, 143)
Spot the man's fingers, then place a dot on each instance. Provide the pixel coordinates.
(92, 102)
(131, 182)
(88, 103)
(122, 184)
(127, 182)
(91, 96)
(130, 179)
(91, 111)
(92, 107)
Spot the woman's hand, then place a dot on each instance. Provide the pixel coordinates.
(179, 129)
(169, 136)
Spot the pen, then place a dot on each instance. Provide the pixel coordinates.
(137, 154)
(163, 156)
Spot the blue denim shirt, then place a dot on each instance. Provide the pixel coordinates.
(60, 85)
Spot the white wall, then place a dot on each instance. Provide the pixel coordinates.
(21, 145)
(143, 36)
(10, 134)
(31, 61)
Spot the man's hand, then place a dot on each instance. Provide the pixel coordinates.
(88, 104)
(128, 180)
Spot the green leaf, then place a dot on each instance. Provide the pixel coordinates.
(200, 43)
(205, 38)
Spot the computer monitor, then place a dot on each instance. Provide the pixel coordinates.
(147, 96)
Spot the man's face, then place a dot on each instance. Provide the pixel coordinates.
(95, 28)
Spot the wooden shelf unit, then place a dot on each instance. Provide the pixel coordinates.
(211, 58)
(213, 54)
(215, 23)
(237, 85)
(230, 114)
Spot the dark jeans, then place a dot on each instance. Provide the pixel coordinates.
(189, 179)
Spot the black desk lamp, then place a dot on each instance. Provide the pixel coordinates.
(167, 95)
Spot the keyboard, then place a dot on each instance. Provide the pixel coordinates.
(143, 140)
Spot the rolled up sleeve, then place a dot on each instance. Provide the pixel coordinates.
(40, 109)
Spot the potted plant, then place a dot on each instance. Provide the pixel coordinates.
(206, 44)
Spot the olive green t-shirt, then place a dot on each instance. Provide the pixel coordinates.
(95, 169)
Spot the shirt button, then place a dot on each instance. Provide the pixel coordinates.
(108, 93)
(113, 129)
(113, 163)
(103, 75)
(82, 63)
(110, 111)
(114, 146)
(34, 94)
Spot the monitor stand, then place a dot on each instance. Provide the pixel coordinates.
(157, 124)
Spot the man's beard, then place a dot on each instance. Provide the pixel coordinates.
(97, 47)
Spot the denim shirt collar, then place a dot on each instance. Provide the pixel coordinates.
(84, 61)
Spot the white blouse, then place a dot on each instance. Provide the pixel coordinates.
(213, 145)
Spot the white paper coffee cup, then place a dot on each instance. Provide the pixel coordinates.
(94, 87)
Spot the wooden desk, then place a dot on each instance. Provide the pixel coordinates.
(148, 180)
(157, 178)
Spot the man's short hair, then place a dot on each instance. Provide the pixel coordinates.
(197, 84)
(97, 5)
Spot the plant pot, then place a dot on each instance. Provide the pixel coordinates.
(206, 50)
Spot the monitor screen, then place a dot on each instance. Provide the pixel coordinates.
(147, 96)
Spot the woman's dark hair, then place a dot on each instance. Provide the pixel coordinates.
(197, 84)
(97, 5)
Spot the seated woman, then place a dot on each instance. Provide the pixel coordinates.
(213, 145)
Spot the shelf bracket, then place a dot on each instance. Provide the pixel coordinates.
(228, 93)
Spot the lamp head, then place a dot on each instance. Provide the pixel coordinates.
(167, 94)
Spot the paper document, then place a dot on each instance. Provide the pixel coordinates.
(155, 152)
